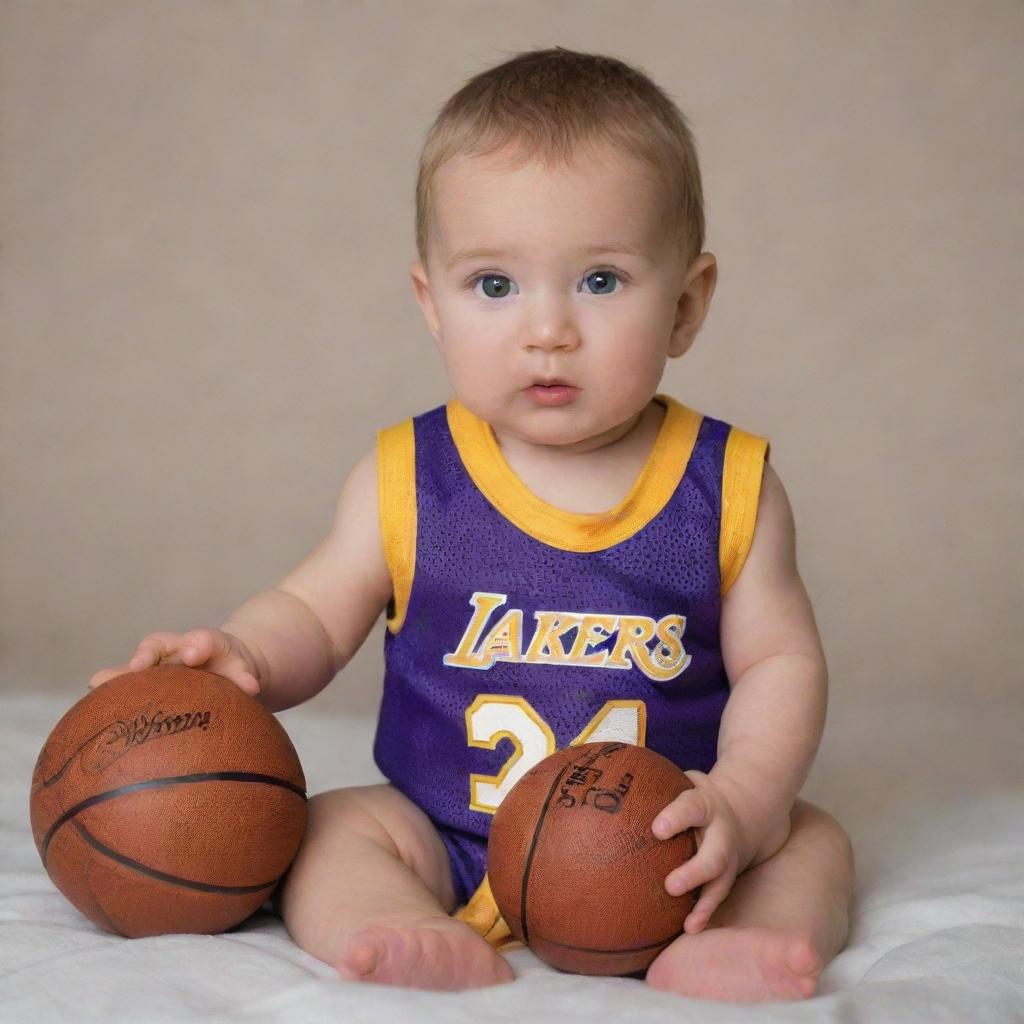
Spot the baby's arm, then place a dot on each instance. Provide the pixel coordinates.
(775, 715)
(307, 628)
(291, 640)
(772, 722)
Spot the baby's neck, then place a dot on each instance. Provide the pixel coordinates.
(593, 476)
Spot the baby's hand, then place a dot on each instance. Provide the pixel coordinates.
(719, 840)
(209, 649)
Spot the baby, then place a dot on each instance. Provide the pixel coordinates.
(563, 555)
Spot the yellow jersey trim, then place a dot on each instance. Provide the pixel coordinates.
(742, 472)
(575, 531)
(396, 504)
(482, 915)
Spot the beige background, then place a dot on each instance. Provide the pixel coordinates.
(207, 213)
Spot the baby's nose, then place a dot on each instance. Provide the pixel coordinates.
(551, 332)
(552, 341)
(549, 323)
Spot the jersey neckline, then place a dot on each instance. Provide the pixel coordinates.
(577, 531)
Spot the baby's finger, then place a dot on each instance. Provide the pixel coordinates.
(104, 675)
(711, 898)
(153, 649)
(246, 682)
(688, 810)
(214, 651)
(199, 646)
(710, 862)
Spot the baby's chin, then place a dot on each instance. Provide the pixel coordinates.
(561, 429)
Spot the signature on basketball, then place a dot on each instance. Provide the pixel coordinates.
(584, 774)
(116, 739)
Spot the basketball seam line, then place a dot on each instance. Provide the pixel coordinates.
(162, 876)
(173, 780)
(533, 847)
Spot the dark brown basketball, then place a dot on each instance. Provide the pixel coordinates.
(167, 800)
(574, 867)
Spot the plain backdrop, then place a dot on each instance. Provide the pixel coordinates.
(207, 220)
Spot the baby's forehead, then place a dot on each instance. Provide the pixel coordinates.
(591, 159)
(600, 196)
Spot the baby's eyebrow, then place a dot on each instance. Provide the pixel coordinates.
(462, 255)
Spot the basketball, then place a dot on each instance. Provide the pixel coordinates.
(574, 867)
(167, 800)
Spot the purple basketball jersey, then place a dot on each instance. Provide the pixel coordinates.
(511, 647)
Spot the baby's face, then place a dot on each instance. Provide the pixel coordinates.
(567, 277)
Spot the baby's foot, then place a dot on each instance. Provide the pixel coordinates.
(429, 953)
(743, 965)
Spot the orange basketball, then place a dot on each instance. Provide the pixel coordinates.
(167, 800)
(574, 867)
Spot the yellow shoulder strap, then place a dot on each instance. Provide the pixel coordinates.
(396, 502)
(745, 456)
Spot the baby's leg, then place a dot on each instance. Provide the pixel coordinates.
(370, 893)
(784, 920)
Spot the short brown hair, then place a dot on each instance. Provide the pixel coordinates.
(550, 104)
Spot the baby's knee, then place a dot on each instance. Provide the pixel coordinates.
(349, 809)
(346, 818)
(813, 824)
(331, 819)
(344, 802)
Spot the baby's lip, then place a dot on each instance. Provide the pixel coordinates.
(551, 382)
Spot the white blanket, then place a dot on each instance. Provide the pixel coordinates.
(937, 936)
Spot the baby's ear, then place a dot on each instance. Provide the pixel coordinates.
(680, 344)
(421, 290)
(693, 303)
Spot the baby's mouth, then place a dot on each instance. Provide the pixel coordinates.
(552, 391)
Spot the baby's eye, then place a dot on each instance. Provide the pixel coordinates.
(496, 286)
(603, 281)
